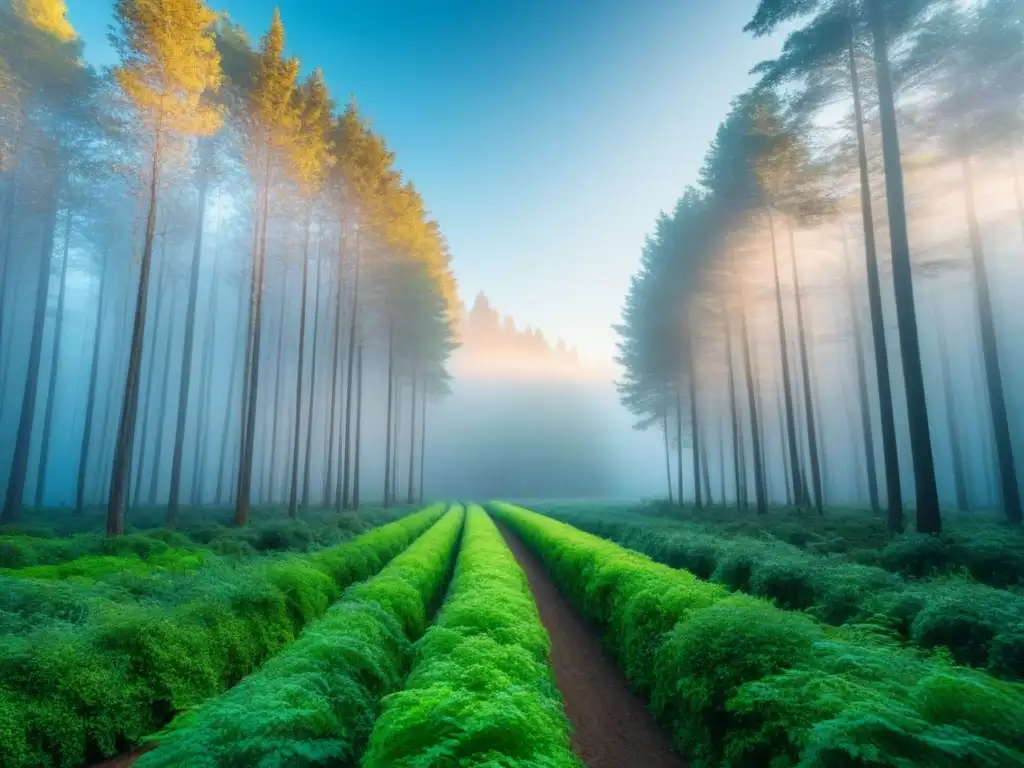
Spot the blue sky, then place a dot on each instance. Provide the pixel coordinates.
(545, 135)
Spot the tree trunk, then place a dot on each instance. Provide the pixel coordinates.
(359, 428)
(797, 480)
(51, 389)
(252, 372)
(5, 259)
(721, 462)
(19, 464)
(396, 428)
(423, 439)
(695, 428)
(276, 416)
(990, 348)
(293, 501)
(679, 441)
(733, 411)
(161, 419)
(90, 401)
(706, 471)
(185, 379)
(222, 464)
(391, 387)
(894, 493)
(348, 386)
(130, 399)
(668, 453)
(329, 475)
(783, 452)
(412, 440)
(146, 409)
(312, 374)
(862, 382)
(929, 518)
(805, 370)
(755, 435)
(959, 476)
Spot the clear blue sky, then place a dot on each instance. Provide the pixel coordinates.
(545, 135)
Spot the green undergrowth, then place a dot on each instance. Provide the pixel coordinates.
(481, 692)
(92, 568)
(87, 671)
(740, 682)
(980, 625)
(979, 545)
(315, 702)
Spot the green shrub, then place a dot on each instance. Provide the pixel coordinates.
(481, 692)
(87, 685)
(315, 702)
(741, 683)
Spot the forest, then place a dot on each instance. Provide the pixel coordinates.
(276, 493)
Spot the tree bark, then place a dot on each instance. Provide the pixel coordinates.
(329, 475)
(90, 401)
(695, 428)
(185, 379)
(312, 374)
(51, 389)
(668, 453)
(275, 417)
(755, 436)
(929, 518)
(736, 455)
(352, 330)
(293, 501)
(990, 347)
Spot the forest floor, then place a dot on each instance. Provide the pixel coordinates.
(611, 726)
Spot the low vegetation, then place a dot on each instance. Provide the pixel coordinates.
(314, 703)
(482, 692)
(87, 668)
(740, 682)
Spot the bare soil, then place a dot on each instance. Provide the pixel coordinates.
(128, 759)
(611, 726)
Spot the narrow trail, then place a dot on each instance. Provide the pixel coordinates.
(611, 726)
(127, 759)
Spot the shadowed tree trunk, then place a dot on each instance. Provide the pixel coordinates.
(929, 518)
(959, 476)
(734, 415)
(352, 330)
(797, 479)
(989, 346)
(359, 427)
(668, 453)
(185, 379)
(390, 405)
(293, 501)
(312, 375)
(51, 389)
(396, 428)
(805, 370)
(755, 435)
(11, 512)
(275, 417)
(862, 382)
(706, 471)
(784, 453)
(679, 440)
(412, 440)
(721, 461)
(423, 439)
(329, 474)
(161, 419)
(695, 427)
(226, 430)
(90, 401)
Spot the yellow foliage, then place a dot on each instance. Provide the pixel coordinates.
(49, 16)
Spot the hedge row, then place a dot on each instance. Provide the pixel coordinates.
(981, 626)
(75, 692)
(481, 692)
(315, 702)
(741, 683)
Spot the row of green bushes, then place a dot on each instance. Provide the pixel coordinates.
(481, 692)
(71, 692)
(980, 545)
(90, 568)
(315, 702)
(980, 625)
(741, 683)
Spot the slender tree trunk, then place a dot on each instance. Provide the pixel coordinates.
(679, 441)
(348, 386)
(721, 461)
(695, 427)
(784, 453)
(130, 400)
(185, 380)
(161, 417)
(90, 401)
(990, 347)
(706, 471)
(733, 412)
(252, 372)
(293, 501)
(797, 480)
(412, 440)
(423, 439)
(226, 430)
(396, 428)
(755, 435)
(890, 455)
(359, 428)
(51, 389)
(5, 260)
(276, 416)
(929, 518)
(805, 370)
(959, 476)
(161, 290)
(391, 387)
(668, 453)
(862, 381)
(329, 476)
(312, 374)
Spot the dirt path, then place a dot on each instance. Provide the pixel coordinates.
(126, 760)
(611, 726)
